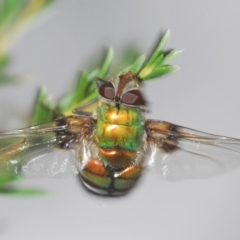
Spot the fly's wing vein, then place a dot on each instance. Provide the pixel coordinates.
(38, 150)
(179, 153)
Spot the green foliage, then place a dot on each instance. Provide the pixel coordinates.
(85, 90)
(136, 66)
(158, 63)
(7, 187)
(43, 110)
(15, 15)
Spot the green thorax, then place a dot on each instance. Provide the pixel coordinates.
(119, 127)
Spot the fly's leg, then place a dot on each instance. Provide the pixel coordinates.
(86, 109)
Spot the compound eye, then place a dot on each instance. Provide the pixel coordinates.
(107, 91)
(133, 97)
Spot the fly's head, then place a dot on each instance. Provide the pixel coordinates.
(122, 91)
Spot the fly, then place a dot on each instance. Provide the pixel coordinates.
(114, 143)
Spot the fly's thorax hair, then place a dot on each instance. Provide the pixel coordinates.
(86, 150)
(141, 152)
(124, 115)
(137, 161)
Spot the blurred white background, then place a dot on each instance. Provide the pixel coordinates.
(203, 95)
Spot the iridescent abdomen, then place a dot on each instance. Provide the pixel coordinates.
(120, 141)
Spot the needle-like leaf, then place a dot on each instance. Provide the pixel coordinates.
(85, 89)
(158, 64)
(43, 110)
(136, 66)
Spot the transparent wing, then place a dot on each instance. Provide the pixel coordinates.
(179, 153)
(44, 149)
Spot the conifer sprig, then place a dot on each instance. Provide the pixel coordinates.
(85, 89)
(159, 62)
